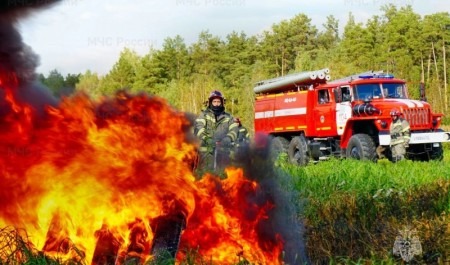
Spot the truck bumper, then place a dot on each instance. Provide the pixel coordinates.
(420, 138)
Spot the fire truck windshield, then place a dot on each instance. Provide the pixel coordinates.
(368, 92)
(392, 90)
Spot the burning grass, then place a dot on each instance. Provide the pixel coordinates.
(112, 182)
(16, 248)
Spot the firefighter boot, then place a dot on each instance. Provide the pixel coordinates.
(396, 159)
(380, 151)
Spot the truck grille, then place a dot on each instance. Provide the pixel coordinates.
(417, 116)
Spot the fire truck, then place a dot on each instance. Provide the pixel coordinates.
(311, 118)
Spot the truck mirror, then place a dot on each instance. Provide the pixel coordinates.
(337, 94)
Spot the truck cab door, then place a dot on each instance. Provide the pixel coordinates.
(324, 114)
(343, 107)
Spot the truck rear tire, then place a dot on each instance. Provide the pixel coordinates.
(278, 145)
(362, 147)
(298, 151)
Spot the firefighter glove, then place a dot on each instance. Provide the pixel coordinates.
(226, 141)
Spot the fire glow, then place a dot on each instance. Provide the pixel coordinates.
(100, 178)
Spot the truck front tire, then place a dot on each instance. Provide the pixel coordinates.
(362, 147)
(278, 145)
(298, 151)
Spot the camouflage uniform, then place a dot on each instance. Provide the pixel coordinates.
(400, 136)
(212, 129)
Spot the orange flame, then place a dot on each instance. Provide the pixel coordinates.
(90, 177)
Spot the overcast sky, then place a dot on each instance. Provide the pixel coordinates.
(78, 35)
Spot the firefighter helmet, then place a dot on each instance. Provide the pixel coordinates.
(216, 94)
(395, 112)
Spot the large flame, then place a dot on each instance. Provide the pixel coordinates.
(91, 177)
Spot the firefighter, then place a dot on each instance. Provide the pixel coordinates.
(217, 131)
(323, 97)
(243, 135)
(242, 141)
(400, 135)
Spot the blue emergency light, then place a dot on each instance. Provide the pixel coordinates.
(387, 76)
(366, 76)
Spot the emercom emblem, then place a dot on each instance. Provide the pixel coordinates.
(407, 244)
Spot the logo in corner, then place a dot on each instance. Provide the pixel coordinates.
(407, 244)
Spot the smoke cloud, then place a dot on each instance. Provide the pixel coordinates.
(276, 186)
(18, 62)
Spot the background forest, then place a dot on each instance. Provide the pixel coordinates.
(399, 41)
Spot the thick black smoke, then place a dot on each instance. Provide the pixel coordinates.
(16, 9)
(17, 60)
(276, 186)
(16, 56)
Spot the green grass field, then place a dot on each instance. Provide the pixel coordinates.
(354, 210)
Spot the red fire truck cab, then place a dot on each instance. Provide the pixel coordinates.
(311, 118)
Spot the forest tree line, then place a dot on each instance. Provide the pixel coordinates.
(399, 41)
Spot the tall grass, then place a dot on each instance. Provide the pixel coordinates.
(355, 209)
(16, 248)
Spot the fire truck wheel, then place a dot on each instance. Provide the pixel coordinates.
(361, 147)
(298, 151)
(278, 145)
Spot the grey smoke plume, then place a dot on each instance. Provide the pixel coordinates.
(276, 185)
(17, 58)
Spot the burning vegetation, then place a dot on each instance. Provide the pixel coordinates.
(114, 180)
(111, 181)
